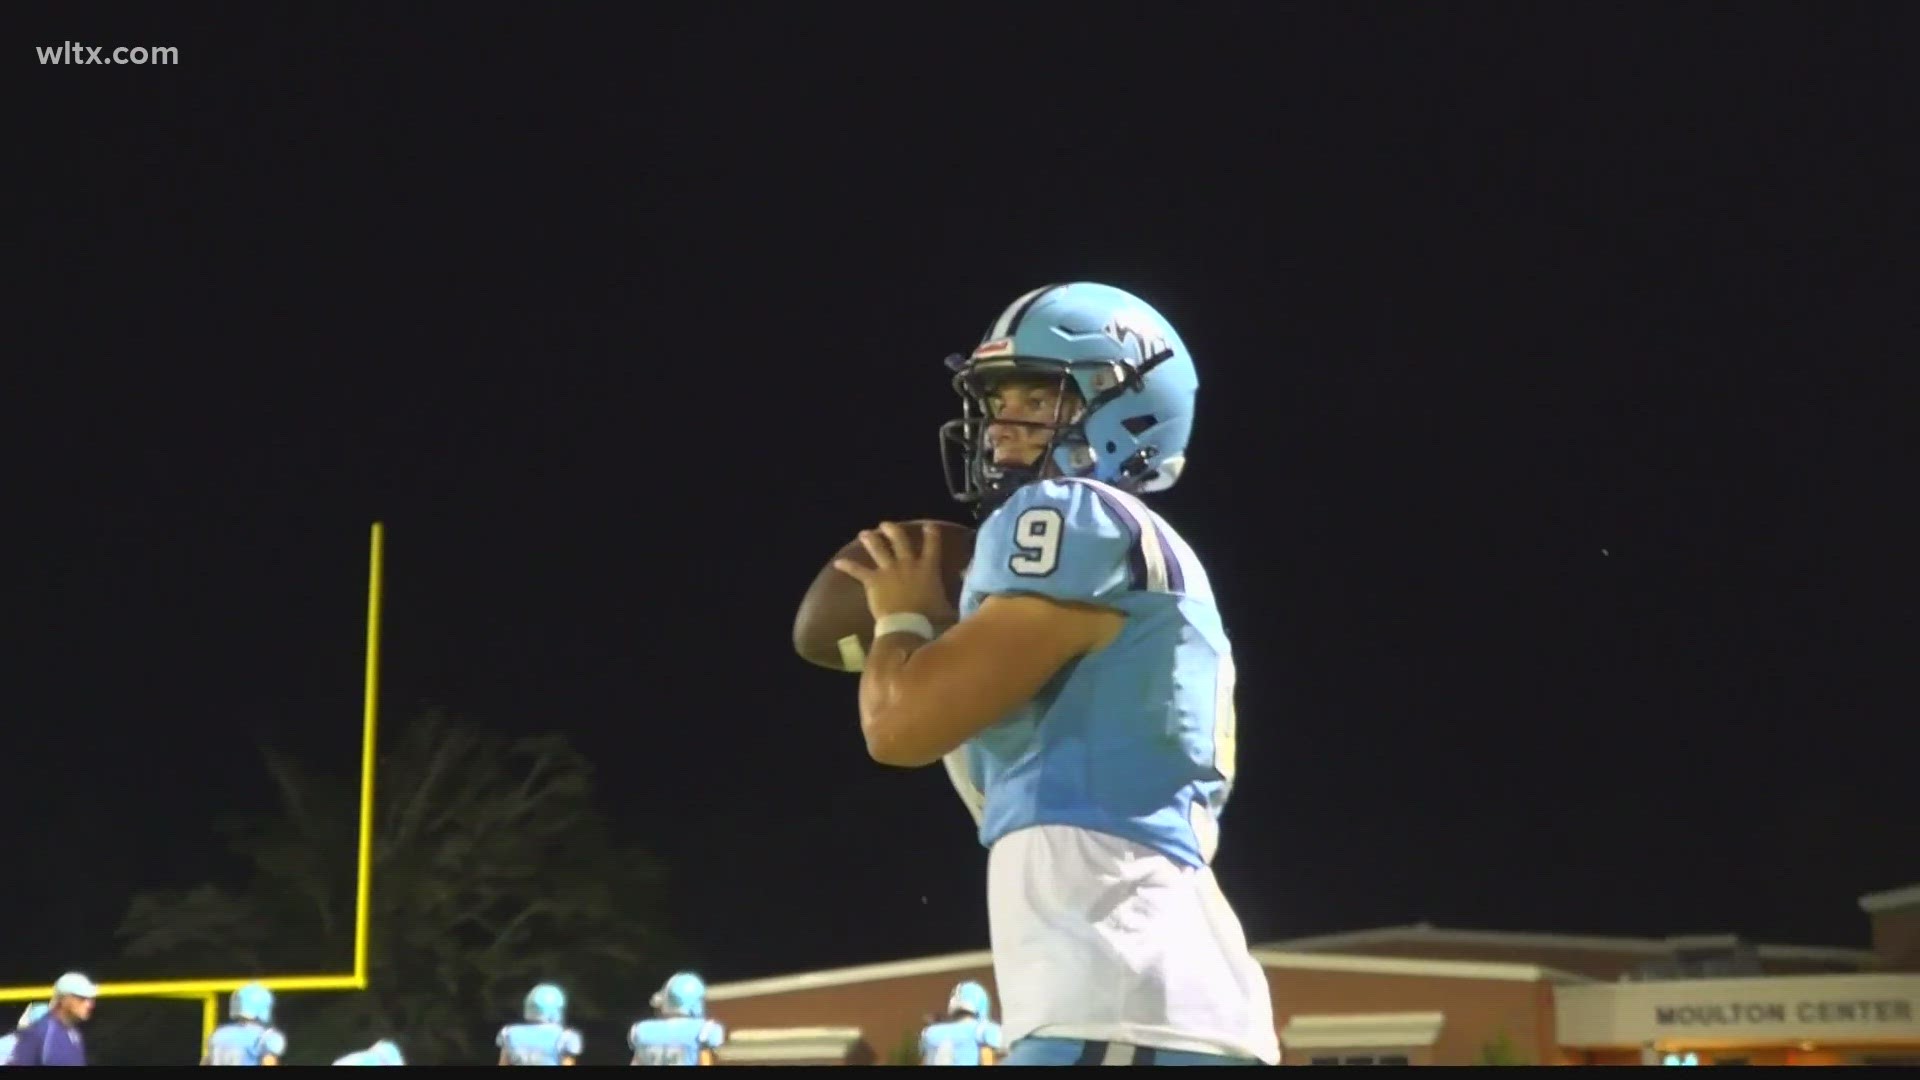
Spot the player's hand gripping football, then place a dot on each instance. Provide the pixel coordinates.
(906, 573)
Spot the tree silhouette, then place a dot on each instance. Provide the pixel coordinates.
(906, 1050)
(492, 871)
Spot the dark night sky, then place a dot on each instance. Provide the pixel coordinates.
(1547, 458)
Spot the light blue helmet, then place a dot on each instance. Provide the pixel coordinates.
(34, 1012)
(384, 1052)
(684, 995)
(546, 1004)
(971, 998)
(74, 984)
(1129, 367)
(251, 1002)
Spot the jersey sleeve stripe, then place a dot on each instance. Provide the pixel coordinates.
(1150, 559)
(1176, 578)
(1163, 559)
(1139, 566)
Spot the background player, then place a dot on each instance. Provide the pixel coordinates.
(968, 1036)
(681, 1034)
(1084, 704)
(34, 1012)
(544, 1038)
(54, 1037)
(249, 1037)
(380, 1053)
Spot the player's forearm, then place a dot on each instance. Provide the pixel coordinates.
(886, 700)
(919, 700)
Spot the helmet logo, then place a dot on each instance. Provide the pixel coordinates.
(995, 347)
(1130, 324)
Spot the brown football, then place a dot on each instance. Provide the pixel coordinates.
(833, 627)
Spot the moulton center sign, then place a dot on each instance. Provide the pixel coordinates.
(1783, 1010)
(1737, 1013)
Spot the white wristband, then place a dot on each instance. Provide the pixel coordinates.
(904, 622)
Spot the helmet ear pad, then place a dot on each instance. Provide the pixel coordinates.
(1133, 440)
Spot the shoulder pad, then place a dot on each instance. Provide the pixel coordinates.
(1070, 540)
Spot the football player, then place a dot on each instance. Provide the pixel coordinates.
(53, 1037)
(383, 1052)
(968, 1036)
(34, 1012)
(544, 1038)
(681, 1034)
(1082, 695)
(250, 1038)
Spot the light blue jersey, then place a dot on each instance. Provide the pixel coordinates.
(244, 1043)
(6, 1047)
(675, 1040)
(959, 1042)
(538, 1044)
(1135, 740)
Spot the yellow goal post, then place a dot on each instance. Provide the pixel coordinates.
(210, 991)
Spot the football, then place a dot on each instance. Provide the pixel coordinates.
(834, 629)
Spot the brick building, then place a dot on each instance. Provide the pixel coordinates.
(1421, 994)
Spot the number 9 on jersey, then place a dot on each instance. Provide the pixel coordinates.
(1036, 541)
